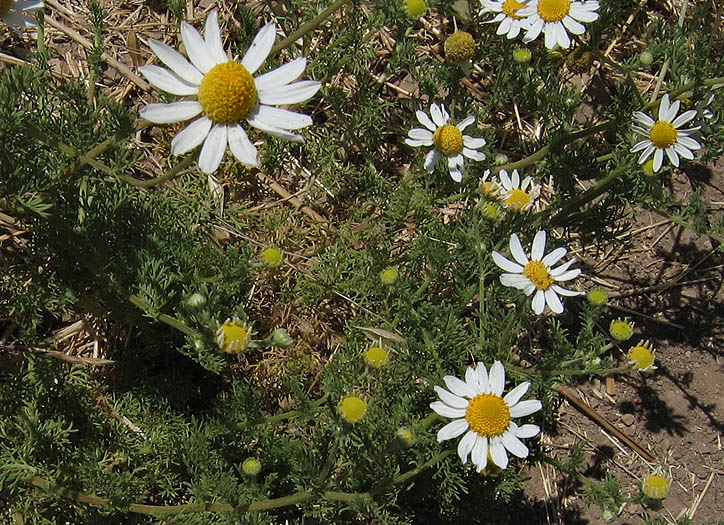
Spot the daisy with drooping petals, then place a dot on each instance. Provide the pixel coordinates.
(664, 134)
(485, 416)
(517, 195)
(555, 18)
(536, 274)
(13, 12)
(226, 94)
(448, 140)
(510, 21)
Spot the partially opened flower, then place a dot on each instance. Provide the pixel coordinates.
(642, 357)
(556, 18)
(510, 21)
(447, 140)
(537, 275)
(516, 194)
(226, 94)
(233, 336)
(485, 416)
(13, 12)
(665, 134)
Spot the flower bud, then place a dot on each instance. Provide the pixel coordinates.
(405, 437)
(597, 297)
(646, 58)
(389, 275)
(621, 330)
(415, 8)
(376, 356)
(196, 300)
(352, 409)
(459, 47)
(251, 467)
(522, 56)
(281, 338)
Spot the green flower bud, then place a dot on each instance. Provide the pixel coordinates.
(272, 257)
(597, 297)
(389, 275)
(415, 8)
(196, 300)
(281, 338)
(646, 58)
(251, 467)
(522, 56)
(405, 437)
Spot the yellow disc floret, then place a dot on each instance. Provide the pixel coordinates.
(5, 6)
(376, 356)
(448, 140)
(488, 415)
(663, 134)
(642, 356)
(233, 336)
(621, 330)
(511, 6)
(227, 93)
(538, 274)
(415, 8)
(656, 486)
(459, 47)
(517, 200)
(553, 10)
(352, 409)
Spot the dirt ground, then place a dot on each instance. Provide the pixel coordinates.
(677, 411)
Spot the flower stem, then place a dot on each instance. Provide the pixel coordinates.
(166, 319)
(170, 174)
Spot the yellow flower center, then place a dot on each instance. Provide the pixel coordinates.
(656, 487)
(272, 257)
(233, 337)
(621, 330)
(537, 272)
(352, 409)
(415, 8)
(376, 356)
(553, 10)
(227, 93)
(663, 134)
(5, 6)
(511, 6)
(517, 200)
(488, 415)
(448, 140)
(642, 357)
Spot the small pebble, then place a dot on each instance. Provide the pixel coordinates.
(628, 419)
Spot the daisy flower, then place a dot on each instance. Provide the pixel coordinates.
(665, 135)
(226, 94)
(556, 18)
(517, 195)
(536, 275)
(485, 416)
(510, 21)
(12, 12)
(448, 140)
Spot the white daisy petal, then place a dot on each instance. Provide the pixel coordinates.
(423, 119)
(420, 134)
(497, 452)
(458, 387)
(641, 145)
(539, 246)
(452, 430)
(471, 378)
(539, 302)
(514, 445)
(573, 26)
(290, 93)
(567, 276)
(516, 249)
(475, 155)
(553, 302)
(260, 48)
(516, 394)
(176, 62)
(658, 159)
(212, 35)
(168, 81)
(436, 114)
(417, 143)
(451, 399)
(473, 143)
(506, 264)
(213, 149)
(688, 142)
(515, 280)
(482, 377)
(241, 147)
(644, 119)
(525, 408)
(465, 123)
(673, 157)
(479, 455)
(191, 136)
(282, 75)
(159, 113)
(567, 293)
(553, 257)
(465, 445)
(258, 123)
(664, 107)
(527, 431)
(683, 118)
(496, 379)
(431, 159)
(281, 118)
(444, 410)
(196, 48)
(646, 153)
(683, 151)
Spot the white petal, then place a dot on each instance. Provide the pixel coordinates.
(436, 114)
(673, 156)
(451, 399)
(658, 158)
(281, 118)
(646, 153)
(673, 110)
(420, 134)
(176, 62)
(525, 408)
(168, 81)
(563, 268)
(482, 372)
(465, 123)
(683, 151)
(472, 154)
(425, 120)
(458, 387)
(191, 136)
(444, 410)
(290, 93)
(213, 149)
(640, 145)
(551, 38)
(417, 143)
(496, 379)
(539, 246)
(455, 172)
(527, 431)
(553, 257)
(539, 302)
(260, 48)
(430, 160)
(196, 48)
(644, 119)
(573, 26)
(514, 445)
(273, 130)
(689, 143)
(168, 113)
(282, 75)
(516, 249)
(534, 30)
(241, 147)
(452, 430)
(684, 118)
(567, 276)
(212, 35)
(466, 445)
(530, 288)
(516, 394)
(506, 264)
(516, 280)
(554, 303)
(497, 452)
(471, 378)
(473, 143)
(584, 12)
(664, 107)
(564, 292)
(479, 456)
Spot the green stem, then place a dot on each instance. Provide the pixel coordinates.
(166, 319)
(87, 158)
(309, 26)
(402, 478)
(170, 174)
(555, 143)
